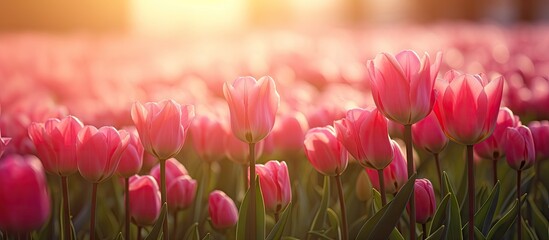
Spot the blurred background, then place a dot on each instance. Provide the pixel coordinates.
(222, 16)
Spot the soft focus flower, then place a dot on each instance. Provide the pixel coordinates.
(540, 134)
(99, 151)
(425, 200)
(519, 147)
(402, 85)
(363, 187)
(364, 134)
(253, 105)
(174, 169)
(24, 199)
(208, 138)
(288, 134)
(181, 192)
(223, 212)
(468, 106)
(131, 160)
(428, 134)
(162, 126)
(275, 185)
(395, 175)
(145, 200)
(55, 143)
(492, 146)
(238, 151)
(325, 152)
(3, 143)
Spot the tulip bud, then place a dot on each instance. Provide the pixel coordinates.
(425, 200)
(288, 134)
(540, 134)
(395, 175)
(325, 152)
(131, 160)
(145, 200)
(174, 169)
(519, 147)
(207, 138)
(238, 151)
(275, 185)
(181, 192)
(363, 187)
(222, 209)
(428, 134)
(24, 198)
(492, 146)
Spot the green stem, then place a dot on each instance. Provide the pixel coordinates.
(411, 171)
(127, 206)
(175, 222)
(163, 195)
(251, 225)
(424, 229)
(495, 168)
(344, 227)
(244, 178)
(66, 209)
(471, 190)
(439, 174)
(519, 217)
(138, 232)
(92, 218)
(381, 179)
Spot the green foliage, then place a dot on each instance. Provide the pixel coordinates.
(241, 226)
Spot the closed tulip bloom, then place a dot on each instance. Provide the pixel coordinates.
(131, 160)
(181, 192)
(223, 212)
(275, 185)
(425, 200)
(540, 134)
(145, 205)
(519, 147)
(253, 105)
(238, 151)
(395, 175)
(492, 146)
(364, 134)
(468, 106)
(162, 126)
(288, 133)
(208, 138)
(99, 152)
(55, 142)
(428, 134)
(325, 152)
(402, 85)
(24, 199)
(174, 169)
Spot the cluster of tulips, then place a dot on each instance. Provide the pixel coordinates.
(384, 139)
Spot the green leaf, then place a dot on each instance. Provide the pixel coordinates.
(382, 223)
(156, 231)
(207, 237)
(278, 229)
(335, 228)
(437, 234)
(501, 226)
(541, 225)
(395, 235)
(377, 200)
(440, 218)
(321, 235)
(479, 235)
(527, 231)
(192, 232)
(320, 217)
(241, 226)
(119, 236)
(454, 225)
(289, 238)
(485, 215)
(446, 184)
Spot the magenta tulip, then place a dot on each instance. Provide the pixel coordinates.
(425, 200)
(174, 169)
(325, 152)
(540, 134)
(395, 175)
(428, 134)
(402, 85)
(253, 105)
(162, 126)
(275, 185)
(181, 192)
(519, 147)
(24, 198)
(364, 134)
(145, 204)
(222, 209)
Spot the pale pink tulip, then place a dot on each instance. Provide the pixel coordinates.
(275, 185)
(492, 146)
(208, 138)
(395, 175)
(428, 134)
(288, 134)
(145, 200)
(131, 160)
(181, 192)
(222, 209)
(238, 151)
(325, 152)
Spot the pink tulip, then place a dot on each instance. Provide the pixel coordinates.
(99, 152)
(253, 105)
(425, 200)
(275, 185)
(3, 144)
(395, 175)
(24, 198)
(325, 152)
(288, 134)
(428, 134)
(131, 160)
(364, 134)
(519, 147)
(181, 192)
(540, 134)
(162, 126)
(468, 106)
(238, 151)
(222, 209)
(174, 169)
(492, 146)
(55, 142)
(402, 85)
(145, 200)
(208, 138)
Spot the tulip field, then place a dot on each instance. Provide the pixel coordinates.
(409, 132)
